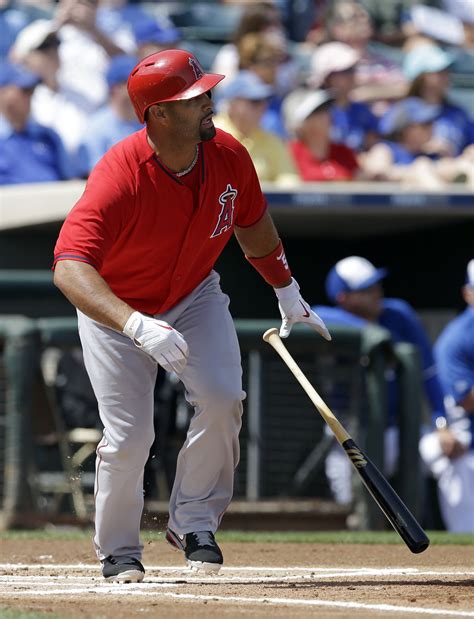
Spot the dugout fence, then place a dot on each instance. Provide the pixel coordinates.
(283, 439)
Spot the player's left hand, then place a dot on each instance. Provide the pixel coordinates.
(293, 309)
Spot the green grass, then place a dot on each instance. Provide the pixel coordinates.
(303, 537)
(341, 537)
(9, 613)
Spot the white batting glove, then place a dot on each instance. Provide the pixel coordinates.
(293, 309)
(157, 338)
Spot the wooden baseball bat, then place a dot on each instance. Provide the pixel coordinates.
(385, 496)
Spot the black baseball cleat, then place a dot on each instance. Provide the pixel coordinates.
(122, 569)
(200, 549)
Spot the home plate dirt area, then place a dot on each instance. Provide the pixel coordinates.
(278, 580)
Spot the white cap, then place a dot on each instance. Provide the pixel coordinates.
(352, 274)
(330, 58)
(300, 104)
(31, 37)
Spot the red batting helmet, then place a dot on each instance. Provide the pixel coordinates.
(170, 75)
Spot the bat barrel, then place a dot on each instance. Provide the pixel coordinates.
(395, 510)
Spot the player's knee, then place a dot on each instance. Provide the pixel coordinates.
(222, 401)
(133, 449)
(225, 391)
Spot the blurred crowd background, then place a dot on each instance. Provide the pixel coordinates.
(317, 90)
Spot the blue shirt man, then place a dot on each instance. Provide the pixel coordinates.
(354, 285)
(29, 152)
(449, 453)
(454, 352)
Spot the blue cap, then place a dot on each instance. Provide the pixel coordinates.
(409, 111)
(120, 68)
(151, 31)
(351, 275)
(246, 85)
(425, 58)
(13, 74)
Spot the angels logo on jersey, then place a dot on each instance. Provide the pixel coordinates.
(198, 72)
(226, 216)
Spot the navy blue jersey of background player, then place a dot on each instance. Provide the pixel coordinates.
(401, 321)
(454, 353)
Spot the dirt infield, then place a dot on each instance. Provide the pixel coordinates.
(259, 580)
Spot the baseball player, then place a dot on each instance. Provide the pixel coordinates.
(449, 454)
(354, 285)
(135, 256)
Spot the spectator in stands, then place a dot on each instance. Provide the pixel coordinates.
(308, 120)
(406, 154)
(263, 53)
(61, 109)
(408, 130)
(256, 17)
(86, 50)
(261, 18)
(377, 77)
(29, 152)
(333, 67)
(242, 105)
(449, 452)
(113, 122)
(427, 67)
(153, 36)
(353, 285)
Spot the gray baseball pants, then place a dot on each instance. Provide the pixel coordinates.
(123, 378)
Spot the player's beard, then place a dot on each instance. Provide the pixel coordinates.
(207, 133)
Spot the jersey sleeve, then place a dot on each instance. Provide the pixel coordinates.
(96, 220)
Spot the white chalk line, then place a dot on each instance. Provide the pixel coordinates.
(183, 570)
(153, 586)
(128, 589)
(184, 576)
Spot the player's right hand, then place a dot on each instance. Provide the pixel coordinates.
(157, 338)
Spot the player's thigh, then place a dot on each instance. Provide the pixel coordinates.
(214, 364)
(122, 376)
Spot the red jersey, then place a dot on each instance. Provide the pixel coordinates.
(138, 225)
(339, 165)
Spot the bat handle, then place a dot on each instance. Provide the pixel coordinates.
(271, 337)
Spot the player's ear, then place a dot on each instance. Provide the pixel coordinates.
(156, 112)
